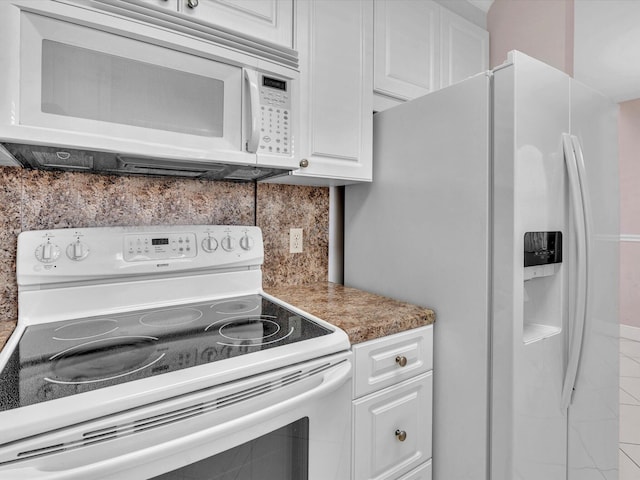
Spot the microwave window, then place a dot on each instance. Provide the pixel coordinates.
(280, 455)
(83, 83)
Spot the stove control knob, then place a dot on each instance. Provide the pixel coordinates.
(246, 242)
(228, 243)
(209, 244)
(47, 252)
(77, 251)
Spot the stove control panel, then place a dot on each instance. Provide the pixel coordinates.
(69, 254)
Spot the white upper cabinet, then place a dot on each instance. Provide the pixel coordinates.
(334, 41)
(270, 20)
(406, 59)
(267, 20)
(420, 47)
(464, 48)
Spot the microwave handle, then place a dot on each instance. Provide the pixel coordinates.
(251, 77)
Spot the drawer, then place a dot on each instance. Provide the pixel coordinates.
(375, 365)
(379, 449)
(423, 472)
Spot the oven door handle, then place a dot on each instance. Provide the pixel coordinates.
(133, 465)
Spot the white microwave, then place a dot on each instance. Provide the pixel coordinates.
(86, 89)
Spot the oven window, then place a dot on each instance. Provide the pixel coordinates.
(280, 455)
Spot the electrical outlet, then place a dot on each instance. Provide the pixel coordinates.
(295, 240)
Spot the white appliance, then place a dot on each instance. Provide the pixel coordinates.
(91, 87)
(495, 201)
(152, 352)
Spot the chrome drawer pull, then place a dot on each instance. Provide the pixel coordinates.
(401, 360)
(401, 435)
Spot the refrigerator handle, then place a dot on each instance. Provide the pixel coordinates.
(579, 198)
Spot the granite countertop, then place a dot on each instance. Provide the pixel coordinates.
(362, 315)
(6, 329)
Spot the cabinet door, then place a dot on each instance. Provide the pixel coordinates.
(423, 472)
(464, 46)
(268, 20)
(388, 360)
(406, 48)
(84, 86)
(335, 47)
(392, 429)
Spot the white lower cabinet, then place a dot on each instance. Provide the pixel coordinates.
(423, 472)
(392, 420)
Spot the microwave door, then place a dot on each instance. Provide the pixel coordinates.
(85, 87)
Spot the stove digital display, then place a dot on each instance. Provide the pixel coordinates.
(159, 241)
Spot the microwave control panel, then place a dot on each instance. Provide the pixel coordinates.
(275, 109)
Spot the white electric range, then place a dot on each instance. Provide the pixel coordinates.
(152, 352)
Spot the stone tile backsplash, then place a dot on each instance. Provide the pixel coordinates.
(281, 207)
(35, 200)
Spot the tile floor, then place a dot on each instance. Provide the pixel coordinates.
(629, 409)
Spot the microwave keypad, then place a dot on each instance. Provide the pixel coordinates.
(275, 121)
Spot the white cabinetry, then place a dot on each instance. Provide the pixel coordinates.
(334, 41)
(267, 20)
(420, 47)
(423, 472)
(464, 48)
(406, 48)
(392, 407)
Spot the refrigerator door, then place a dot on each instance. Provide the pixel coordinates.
(593, 412)
(530, 303)
(420, 233)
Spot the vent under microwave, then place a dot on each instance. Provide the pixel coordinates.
(55, 158)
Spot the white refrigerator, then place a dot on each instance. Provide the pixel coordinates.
(495, 202)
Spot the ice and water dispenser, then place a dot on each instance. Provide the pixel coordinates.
(542, 285)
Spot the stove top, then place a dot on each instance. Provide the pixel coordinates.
(63, 358)
(111, 319)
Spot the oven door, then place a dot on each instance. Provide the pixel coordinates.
(291, 424)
